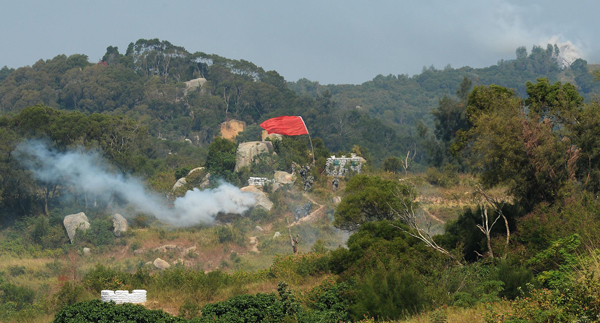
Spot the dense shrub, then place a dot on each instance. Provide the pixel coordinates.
(330, 302)
(301, 264)
(389, 293)
(447, 178)
(548, 223)
(102, 277)
(99, 234)
(229, 234)
(380, 242)
(69, 294)
(182, 172)
(514, 279)
(245, 308)
(98, 311)
(18, 296)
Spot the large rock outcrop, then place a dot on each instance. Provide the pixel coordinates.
(282, 177)
(265, 135)
(119, 224)
(161, 264)
(74, 222)
(247, 151)
(180, 182)
(196, 176)
(192, 84)
(195, 170)
(230, 129)
(262, 200)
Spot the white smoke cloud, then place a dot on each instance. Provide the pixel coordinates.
(502, 26)
(87, 171)
(568, 52)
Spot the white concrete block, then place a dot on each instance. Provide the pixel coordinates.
(123, 296)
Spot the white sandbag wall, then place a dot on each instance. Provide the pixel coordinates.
(123, 296)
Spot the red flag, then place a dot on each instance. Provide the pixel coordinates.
(285, 125)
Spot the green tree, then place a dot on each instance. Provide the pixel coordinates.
(371, 198)
(221, 159)
(392, 164)
(533, 154)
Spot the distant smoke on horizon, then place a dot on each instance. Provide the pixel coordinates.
(568, 52)
(87, 171)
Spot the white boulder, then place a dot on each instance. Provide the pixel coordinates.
(119, 224)
(247, 151)
(262, 200)
(74, 222)
(161, 264)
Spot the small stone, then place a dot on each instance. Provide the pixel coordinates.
(336, 200)
(277, 234)
(139, 251)
(259, 228)
(87, 251)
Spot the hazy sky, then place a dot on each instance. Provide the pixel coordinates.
(327, 41)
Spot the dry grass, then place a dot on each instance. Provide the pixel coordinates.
(171, 300)
(461, 315)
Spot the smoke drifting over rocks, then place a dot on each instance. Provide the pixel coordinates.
(87, 172)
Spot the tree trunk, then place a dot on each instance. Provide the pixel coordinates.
(46, 200)
(507, 236)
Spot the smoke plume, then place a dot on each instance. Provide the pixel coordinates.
(87, 172)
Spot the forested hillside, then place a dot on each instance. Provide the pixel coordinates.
(400, 101)
(146, 84)
(471, 194)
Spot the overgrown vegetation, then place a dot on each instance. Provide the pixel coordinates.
(514, 157)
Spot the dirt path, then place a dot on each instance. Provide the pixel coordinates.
(313, 215)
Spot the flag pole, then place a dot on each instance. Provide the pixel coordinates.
(309, 139)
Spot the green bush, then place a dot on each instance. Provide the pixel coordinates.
(18, 296)
(98, 311)
(299, 265)
(102, 277)
(389, 294)
(99, 234)
(392, 164)
(445, 179)
(69, 294)
(189, 309)
(439, 316)
(330, 302)
(182, 172)
(514, 278)
(227, 234)
(259, 215)
(16, 270)
(245, 309)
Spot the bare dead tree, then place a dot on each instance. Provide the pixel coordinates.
(409, 216)
(485, 226)
(294, 241)
(409, 160)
